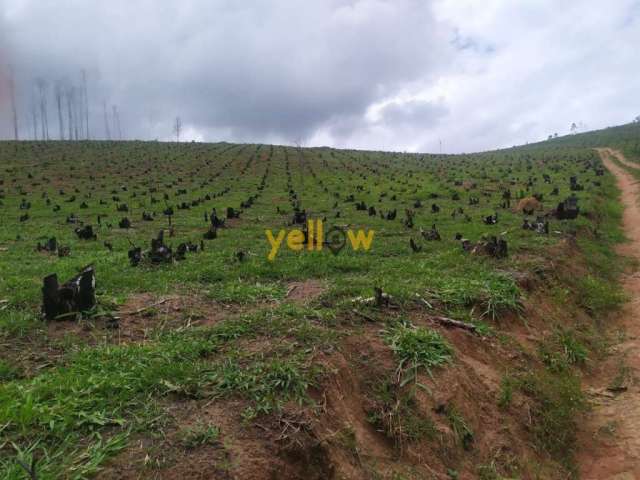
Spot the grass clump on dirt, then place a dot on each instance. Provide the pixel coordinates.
(417, 348)
(557, 401)
(599, 296)
(198, 435)
(505, 394)
(393, 410)
(564, 349)
(267, 383)
(463, 432)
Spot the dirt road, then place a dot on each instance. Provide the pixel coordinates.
(610, 152)
(609, 442)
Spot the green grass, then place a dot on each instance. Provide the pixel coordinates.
(8, 371)
(564, 349)
(558, 400)
(507, 385)
(198, 435)
(74, 413)
(116, 387)
(395, 413)
(18, 323)
(463, 432)
(599, 296)
(417, 349)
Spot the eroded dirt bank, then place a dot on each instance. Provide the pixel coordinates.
(610, 441)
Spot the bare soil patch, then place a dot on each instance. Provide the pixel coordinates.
(141, 317)
(305, 291)
(529, 204)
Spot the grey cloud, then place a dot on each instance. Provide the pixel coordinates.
(256, 69)
(488, 74)
(417, 112)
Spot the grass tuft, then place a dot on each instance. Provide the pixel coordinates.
(417, 348)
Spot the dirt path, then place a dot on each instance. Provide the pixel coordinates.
(610, 152)
(609, 442)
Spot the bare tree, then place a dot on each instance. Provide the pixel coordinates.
(119, 126)
(116, 122)
(76, 118)
(34, 118)
(79, 112)
(177, 128)
(574, 128)
(59, 95)
(70, 96)
(41, 83)
(106, 120)
(14, 110)
(86, 102)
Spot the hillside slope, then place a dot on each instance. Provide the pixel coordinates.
(450, 347)
(625, 138)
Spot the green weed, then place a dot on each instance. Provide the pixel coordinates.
(599, 296)
(417, 348)
(198, 435)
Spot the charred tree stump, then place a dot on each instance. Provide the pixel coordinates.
(211, 234)
(86, 233)
(568, 210)
(72, 298)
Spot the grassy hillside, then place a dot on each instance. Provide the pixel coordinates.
(624, 137)
(312, 364)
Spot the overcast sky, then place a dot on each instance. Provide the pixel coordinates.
(374, 74)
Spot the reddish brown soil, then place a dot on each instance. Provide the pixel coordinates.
(302, 292)
(529, 203)
(336, 438)
(242, 451)
(610, 439)
(141, 317)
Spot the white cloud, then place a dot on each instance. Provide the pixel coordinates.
(381, 74)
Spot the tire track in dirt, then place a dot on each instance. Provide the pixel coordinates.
(609, 440)
(610, 152)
